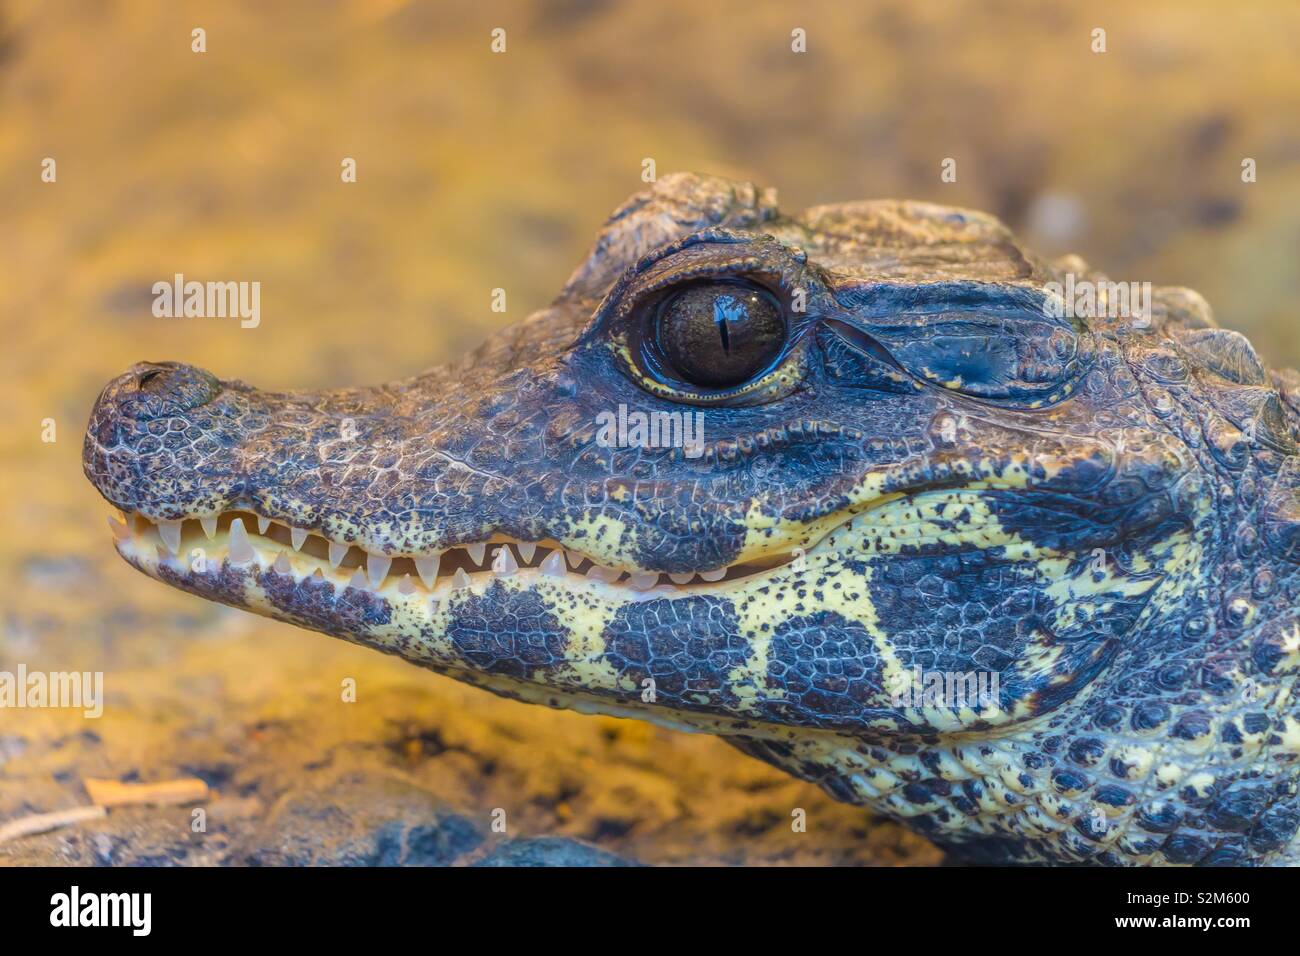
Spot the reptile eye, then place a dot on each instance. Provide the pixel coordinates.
(718, 334)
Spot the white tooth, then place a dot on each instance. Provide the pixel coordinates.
(526, 551)
(476, 552)
(119, 528)
(209, 526)
(337, 553)
(459, 580)
(427, 568)
(241, 549)
(504, 564)
(263, 524)
(170, 532)
(282, 565)
(553, 564)
(573, 559)
(643, 582)
(377, 566)
(608, 575)
(405, 585)
(297, 537)
(358, 580)
(318, 575)
(717, 574)
(684, 578)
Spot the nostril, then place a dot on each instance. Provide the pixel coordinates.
(158, 389)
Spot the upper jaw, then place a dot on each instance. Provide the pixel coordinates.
(470, 470)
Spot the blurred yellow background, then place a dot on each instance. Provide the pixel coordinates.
(479, 170)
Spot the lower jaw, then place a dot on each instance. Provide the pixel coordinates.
(402, 617)
(412, 622)
(414, 628)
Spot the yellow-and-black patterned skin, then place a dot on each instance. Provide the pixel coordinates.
(1101, 516)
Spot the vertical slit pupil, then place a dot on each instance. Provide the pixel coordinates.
(717, 334)
(726, 308)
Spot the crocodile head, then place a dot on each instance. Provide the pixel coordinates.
(869, 490)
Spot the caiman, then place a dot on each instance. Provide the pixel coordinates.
(860, 490)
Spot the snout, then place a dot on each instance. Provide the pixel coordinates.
(150, 429)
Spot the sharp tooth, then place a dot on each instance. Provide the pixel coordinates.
(297, 537)
(337, 553)
(427, 568)
(476, 552)
(170, 532)
(263, 524)
(504, 564)
(209, 526)
(120, 531)
(377, 566)
(459, 580)
(573, 560)
(282, 565)
(358, 580)
(318, 575)
(717, 574)
(608, 575)
(643, 582)
(684, 578)
(241, 549)
(527, 550)
(553, 564)
(406, 586)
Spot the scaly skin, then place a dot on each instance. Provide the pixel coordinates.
(1103, 515)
